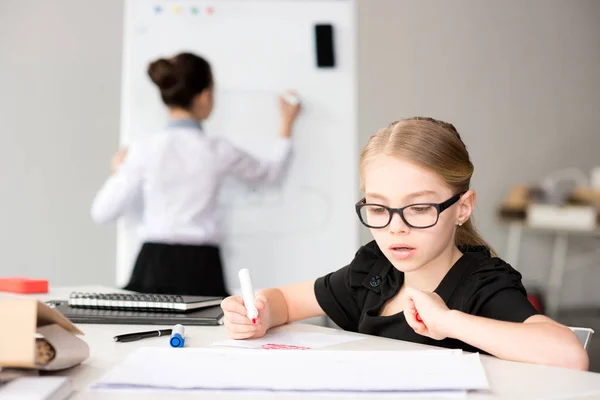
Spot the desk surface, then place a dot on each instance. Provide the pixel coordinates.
(507, 379)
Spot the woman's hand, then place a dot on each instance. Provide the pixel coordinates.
(118, 159)
(433, 314)
(289, 112)
(237, 323)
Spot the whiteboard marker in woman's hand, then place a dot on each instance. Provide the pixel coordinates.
(291, 98)
(248, 295)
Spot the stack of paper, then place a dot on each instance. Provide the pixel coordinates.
(296, 371)
(37, 388)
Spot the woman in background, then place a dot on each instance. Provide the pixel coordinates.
(178, 174)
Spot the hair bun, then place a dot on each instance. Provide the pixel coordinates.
(180, 78)
(162, 73)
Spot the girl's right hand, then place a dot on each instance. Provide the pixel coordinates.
(237, 323)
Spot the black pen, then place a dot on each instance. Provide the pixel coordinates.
(131, 337)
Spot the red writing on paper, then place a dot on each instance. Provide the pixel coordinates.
(276, 346)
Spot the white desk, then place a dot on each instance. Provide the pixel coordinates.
(508, 380)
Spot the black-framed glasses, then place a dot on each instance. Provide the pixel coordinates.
(418, 216)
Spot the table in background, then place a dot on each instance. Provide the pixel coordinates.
(558, 265)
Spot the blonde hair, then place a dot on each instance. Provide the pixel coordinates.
(432, 144)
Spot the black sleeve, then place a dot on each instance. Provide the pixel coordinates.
(508, 305)
(339, 293)
(498, 293)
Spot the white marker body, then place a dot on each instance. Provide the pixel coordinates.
(178, 329)
(248, 293)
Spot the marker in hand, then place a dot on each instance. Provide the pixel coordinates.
(291, 98)
(418, 317)
(248, 294)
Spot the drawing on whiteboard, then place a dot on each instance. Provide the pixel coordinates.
(268, 212)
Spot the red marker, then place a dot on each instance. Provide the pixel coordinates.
(418, 317)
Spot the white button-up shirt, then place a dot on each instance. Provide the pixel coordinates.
(177, 175)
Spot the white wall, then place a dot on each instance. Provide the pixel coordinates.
(511, 75)
(60, 74)
(519, 79)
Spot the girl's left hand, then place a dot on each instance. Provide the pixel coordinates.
(432, 311)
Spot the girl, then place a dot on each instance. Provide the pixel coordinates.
(428, 277)
(178, 174)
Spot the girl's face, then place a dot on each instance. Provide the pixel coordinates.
(396, 183)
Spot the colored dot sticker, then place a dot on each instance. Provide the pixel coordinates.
(176, 9)
(210, 10)
(157, 9)
(194, 10)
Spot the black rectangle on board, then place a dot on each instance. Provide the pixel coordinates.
(324, 45)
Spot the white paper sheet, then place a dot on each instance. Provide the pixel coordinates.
(328, 371)
(290, 340)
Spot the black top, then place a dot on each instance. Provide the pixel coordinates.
(476, 284)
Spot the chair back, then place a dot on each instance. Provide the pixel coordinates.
(584, 335)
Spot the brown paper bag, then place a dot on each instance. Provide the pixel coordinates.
(33, 335)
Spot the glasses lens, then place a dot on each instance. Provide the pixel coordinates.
(374, 216)
(421, 215)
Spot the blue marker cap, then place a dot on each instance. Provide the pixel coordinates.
(177, 339)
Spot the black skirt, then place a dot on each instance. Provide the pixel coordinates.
(178, 269)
